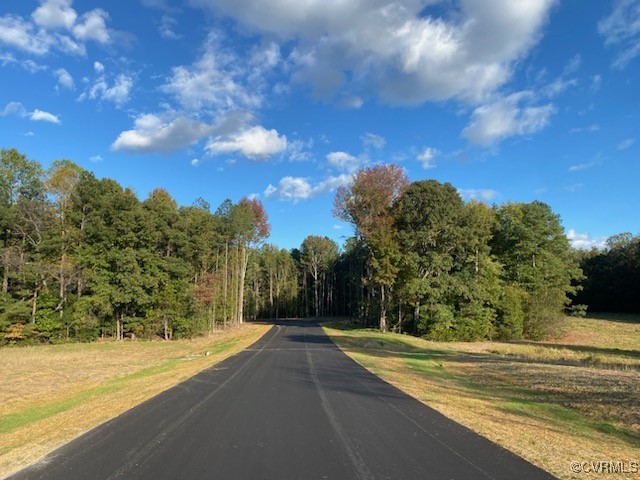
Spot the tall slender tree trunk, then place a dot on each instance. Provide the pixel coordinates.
(383, 309)
(416, 317)
(244, 257)
(34, 307)
(270, 293)
(306, 294)
(315, 291)
(226, 281)
(256, 296)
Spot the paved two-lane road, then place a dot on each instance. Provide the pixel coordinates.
(292, 406)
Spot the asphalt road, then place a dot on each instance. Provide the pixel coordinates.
(292, 406)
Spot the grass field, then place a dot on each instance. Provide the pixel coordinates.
(576, 398)
(52, 394)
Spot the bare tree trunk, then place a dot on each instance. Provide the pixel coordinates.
(256, 295)
(243, 271)
(416, 318)
(306, 294)
(315, 290)
(226, 279)
(35, 305)
(270, 293)
(383, 310)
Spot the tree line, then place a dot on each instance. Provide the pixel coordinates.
(612, 281)
(426, 262)
(83, 258)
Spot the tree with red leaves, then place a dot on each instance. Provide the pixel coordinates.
(366, 204)
(250, 225)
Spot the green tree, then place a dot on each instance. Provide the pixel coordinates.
(530, 242)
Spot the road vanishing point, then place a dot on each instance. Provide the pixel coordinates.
(291, 406)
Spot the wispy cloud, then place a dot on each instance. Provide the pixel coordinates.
(581, 166)
(626, 143)
(622, 29)
(483, 194)
(594, 127)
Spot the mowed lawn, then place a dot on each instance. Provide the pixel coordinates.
(51, 394)
(576, 398)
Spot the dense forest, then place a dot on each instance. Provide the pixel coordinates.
(612, 282)
(83, 258)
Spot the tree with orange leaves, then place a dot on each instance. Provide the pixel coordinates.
(366, 204)
(250, 225)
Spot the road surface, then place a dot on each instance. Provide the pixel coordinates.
(291, 406)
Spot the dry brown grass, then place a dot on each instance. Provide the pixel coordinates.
(576, 398)
(52, 394)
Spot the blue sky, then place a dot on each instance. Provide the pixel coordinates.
(284, 100)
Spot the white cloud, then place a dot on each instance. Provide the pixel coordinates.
(596, 83)
(52, 26)
(16, 32)
(55, 14)
(402, 50)
(622, 28)
(64, 79)
(195, 162)
(118, 90)
(92, 26)
(16, 108)
(558, 86)
(218, 80)
(117, 93)
(563, 82)
(157, 133)
(343, 161)
(28, 64)
(255, 143)
(29, 134)
(505, 117)
(583, 241)
(96, 159)
(482, 194)
(426, 158)
(39, 115)
(166, 28)
(627, 143)
(299, 150)
(294, 189)
(373, 140)
(581, 166)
